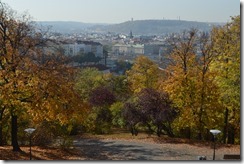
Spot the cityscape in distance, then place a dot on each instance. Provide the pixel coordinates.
(122, 42)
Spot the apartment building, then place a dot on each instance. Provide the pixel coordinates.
(77, 47)
(128, 49)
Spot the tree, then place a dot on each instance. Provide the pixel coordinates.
(155, 107)
(101, 99)
(36, 84)
(207, 91)
(89, 57)
(119, 86)
(227, 68)
(131, 114)
(116, 111)
(190, 83)
(181, 79)
(122, 66)
(87, 80)
(17, 40)
(143, 74)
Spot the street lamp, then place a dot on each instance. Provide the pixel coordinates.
(30, 131)
(214, 132)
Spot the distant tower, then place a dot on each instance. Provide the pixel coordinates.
(131, 35)
(132, 19)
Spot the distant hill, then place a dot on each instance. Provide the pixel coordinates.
(138, 27)
(67, 26)
(152, 27)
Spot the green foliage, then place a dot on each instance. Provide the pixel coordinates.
(86, 58)
(227, 46)
(122, 66)
(87, 80)
(227, 65)
(99, 121)
(116, 111)
(120, 87)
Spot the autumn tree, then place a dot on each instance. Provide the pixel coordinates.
(190, 83)
(101, 99)
(120, 87)
(143, 74)
(208, 106)
(88, 79)
(156, 108)
(131, 115)
(181, 78)
(18, 38)
(101, 96)
(227, 68)
(36, 84)
(116, 110)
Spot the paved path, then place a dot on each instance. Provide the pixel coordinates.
(94, 149)
(111, 149)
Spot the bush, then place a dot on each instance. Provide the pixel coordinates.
(44, 134)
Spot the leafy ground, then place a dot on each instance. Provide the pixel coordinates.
(47, 153)
(39, 153)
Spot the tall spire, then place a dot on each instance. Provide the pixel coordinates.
(131, 35)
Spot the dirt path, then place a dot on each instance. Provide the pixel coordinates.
(114, 149)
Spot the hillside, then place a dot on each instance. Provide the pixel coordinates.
(138, 27)
(153, 27)
(67, 26)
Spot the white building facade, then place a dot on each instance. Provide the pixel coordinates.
(80, 47)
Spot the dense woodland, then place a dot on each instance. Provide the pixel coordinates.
(198, 91)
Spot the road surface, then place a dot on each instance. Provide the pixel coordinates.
(112, 149)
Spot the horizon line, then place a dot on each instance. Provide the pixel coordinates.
(75, 21)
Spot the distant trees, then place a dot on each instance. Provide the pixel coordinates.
(89, 57)
(122, 67)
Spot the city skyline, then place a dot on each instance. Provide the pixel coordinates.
(111, 11)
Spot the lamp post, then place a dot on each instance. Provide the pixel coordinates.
(214, 132)
(30, 131)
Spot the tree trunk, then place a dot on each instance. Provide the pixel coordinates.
(133, 130)
(168, 130)
(159, 130)
(231, 134)
(14, 134)
(1, 134)
(150, 131)
(1, 128)
(225, 130)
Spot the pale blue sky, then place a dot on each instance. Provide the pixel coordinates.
(117, 11)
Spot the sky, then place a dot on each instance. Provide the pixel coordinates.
(118, 11)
